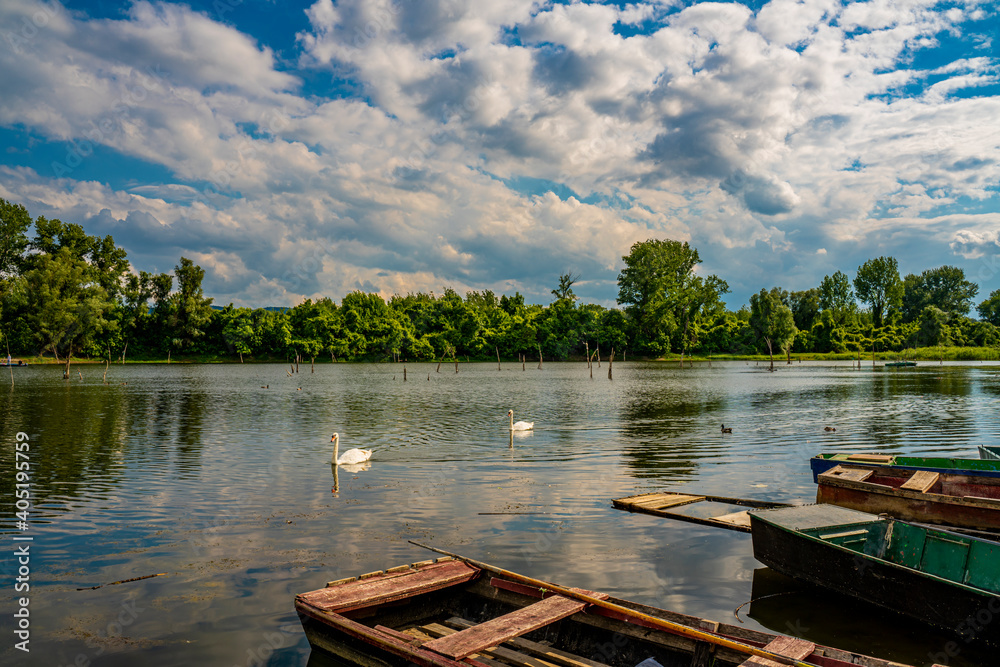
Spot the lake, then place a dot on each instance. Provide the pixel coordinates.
(224, 488)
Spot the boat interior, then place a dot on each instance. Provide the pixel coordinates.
(950, 555)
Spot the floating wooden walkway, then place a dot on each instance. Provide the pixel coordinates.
(657, 504)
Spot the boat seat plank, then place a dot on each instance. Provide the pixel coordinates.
(498, 630)
(506, 654)
(873, 458)
(544, 651)
(852, 474)
(734, 519)
(790, 647)
(383, 588)
(846, 533)
(921, 481)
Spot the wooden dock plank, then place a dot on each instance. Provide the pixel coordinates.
(790, 647)
(921, 481)
(659, 501)
(498, 630)
(383, 588)
(734, 519)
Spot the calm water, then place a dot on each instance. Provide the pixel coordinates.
(225, 487)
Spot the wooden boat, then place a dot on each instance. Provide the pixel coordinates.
(461, 613)
(899, 364)
(940, 577)
(953, 499)
(823, 462)
(989, 452)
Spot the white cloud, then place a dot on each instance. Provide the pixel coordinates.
(781, 138)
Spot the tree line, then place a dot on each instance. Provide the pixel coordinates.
(66, 293)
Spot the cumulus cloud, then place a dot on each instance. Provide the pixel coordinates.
(800, 137)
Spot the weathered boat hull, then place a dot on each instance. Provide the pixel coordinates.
(387, 629)
(950, 499)
(984, 468)
(969, 613)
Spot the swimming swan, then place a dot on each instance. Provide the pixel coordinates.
(351, 456)
(519, 426)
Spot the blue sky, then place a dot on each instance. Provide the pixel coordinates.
(300, 150)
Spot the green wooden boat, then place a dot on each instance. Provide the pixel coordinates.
(899, 364)
(942, 577)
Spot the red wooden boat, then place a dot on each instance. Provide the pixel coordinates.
(462, 613)
(953, 499)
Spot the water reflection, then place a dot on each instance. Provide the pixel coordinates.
(200, 472)
(784, 605)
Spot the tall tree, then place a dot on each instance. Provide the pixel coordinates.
(69, 306)
(878, 285)
(189, 310)
(14, 223)
(656, 283)
(772, 321)
(945, 288)
(989, 309)
(805, 307)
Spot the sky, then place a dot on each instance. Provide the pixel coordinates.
(302, 150)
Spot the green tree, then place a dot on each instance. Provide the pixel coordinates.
(989, 309)
(662, 294)
(772, 321)
(69, 307)
(878, 285)
(934, 329)
(805, 307)
(945, 288)
(14, 223)
(189, 309)
(238, 330)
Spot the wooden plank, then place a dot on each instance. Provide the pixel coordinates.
(852, 474)
(790, 647)
(506, 654)
(389, 587)
(401, 636)
(921, 481)
(498, 630)
(734, 519)
(659, 501)
(847, 533)
(553, 655)
(874, 458)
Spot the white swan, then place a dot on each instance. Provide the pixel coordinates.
(519, 426)
(351, 456)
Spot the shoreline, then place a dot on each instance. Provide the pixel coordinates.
(928, 354)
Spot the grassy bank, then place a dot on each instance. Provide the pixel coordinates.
(917, 354)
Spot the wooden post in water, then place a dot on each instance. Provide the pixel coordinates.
(539, 357)
(586, 346)
(611, 362)
(522, 361)
(454, 353)
(498, 356)
(404, 373)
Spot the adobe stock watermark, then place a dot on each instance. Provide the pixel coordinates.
(968, 631)
(124, 615)
(28, 29)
